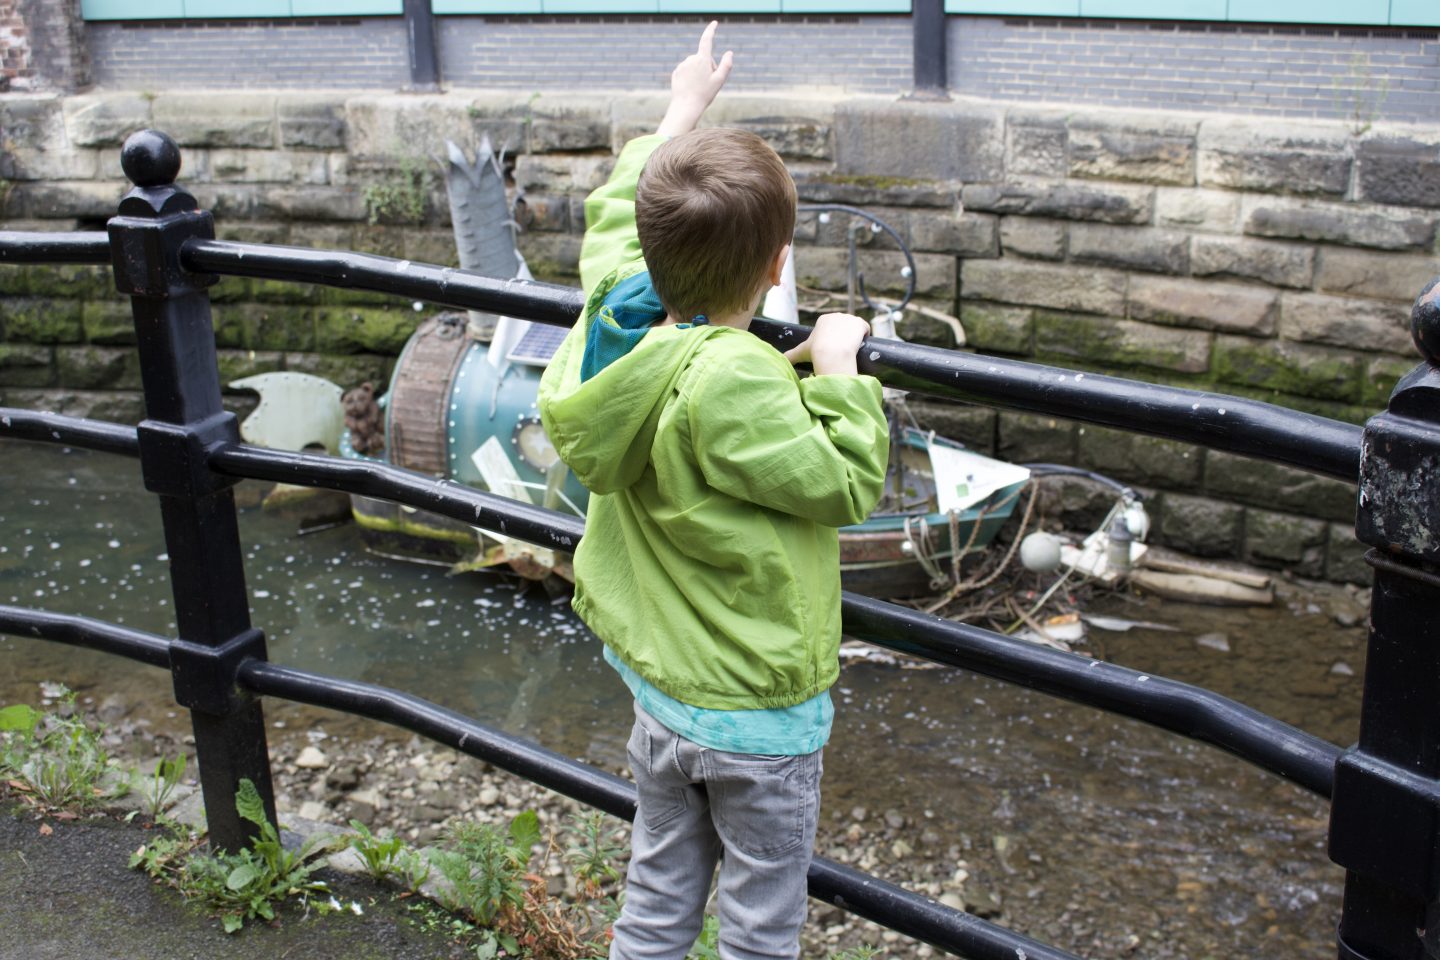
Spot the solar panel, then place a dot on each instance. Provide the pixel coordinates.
(538, 345)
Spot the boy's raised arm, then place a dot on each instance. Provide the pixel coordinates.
(610, 238)
(694, 84)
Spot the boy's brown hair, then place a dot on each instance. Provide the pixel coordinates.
(713, 208)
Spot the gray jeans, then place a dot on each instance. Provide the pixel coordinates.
(754, 814)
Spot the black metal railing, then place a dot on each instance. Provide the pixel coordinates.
(1385, 823)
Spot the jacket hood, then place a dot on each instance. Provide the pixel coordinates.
(602, 395)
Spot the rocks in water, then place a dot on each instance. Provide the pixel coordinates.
(311, 758)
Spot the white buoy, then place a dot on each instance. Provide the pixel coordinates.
(1040, 552)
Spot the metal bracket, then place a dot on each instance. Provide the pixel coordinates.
(146, 253)
(174, 459)
(1385, 824)
(205, 676)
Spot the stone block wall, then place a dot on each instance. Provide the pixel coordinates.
(1265, 259)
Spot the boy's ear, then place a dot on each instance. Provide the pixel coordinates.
(777, 266)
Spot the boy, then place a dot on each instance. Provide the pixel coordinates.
(710, 564)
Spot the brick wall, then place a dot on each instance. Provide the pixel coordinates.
(843, 54)
(331, 53)
(1361, 75)
(15, 70)
(1355, 74)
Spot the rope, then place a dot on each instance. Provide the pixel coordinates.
(976, 584)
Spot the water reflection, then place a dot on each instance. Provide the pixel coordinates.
(1099, 834)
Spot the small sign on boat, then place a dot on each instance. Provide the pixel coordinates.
(964, 478)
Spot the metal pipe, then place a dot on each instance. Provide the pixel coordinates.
(420, 40)
(1249, 428)
(859, 893)
(86, 632)
(545, 302)
(1193, 712)
(476, 507)
(72, 431)
(20, 246)
(1180, 708)
(927, 24)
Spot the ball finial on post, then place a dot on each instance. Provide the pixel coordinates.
(1425, 323)
(150, 159)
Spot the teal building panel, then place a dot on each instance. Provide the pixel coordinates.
(132, 9)
(1141, 10)
(496, 7)
(346, 8)
(1372, 12)
(195, 9)
(601, 6)
(1035, 8)
(844, 6)
(1415, 13)
(719, 6)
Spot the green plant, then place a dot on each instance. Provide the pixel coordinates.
(1359, 94)
(486, 869)
(381, 853)
(861, 952)
(707, 945)
(160, 787)
(53, 759)
(242, 885)
(402, 195)
(592, 852)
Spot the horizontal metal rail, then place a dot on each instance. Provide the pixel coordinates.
(1190, 711)
(488, 511)
(1193, 712)
(20, 246)
(860, 893)
(1249, 428)
(100, 435)
(545, 302)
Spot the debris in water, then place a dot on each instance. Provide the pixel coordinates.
(1121, 625)
(1214, 641)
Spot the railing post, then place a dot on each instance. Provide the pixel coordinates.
(930, 42)
(420, 37)
(184, 420)
(1385, 818)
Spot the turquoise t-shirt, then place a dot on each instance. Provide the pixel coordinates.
(782, 731)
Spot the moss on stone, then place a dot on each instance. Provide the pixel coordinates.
(363, 330)
(283, 291)
(991, 327)
(346, 371)
(109, 322)
(23, 365)
(69, 280)
(40, 320)
(98, 368)
(237, 364)
(1107, 343)
(1278, 366)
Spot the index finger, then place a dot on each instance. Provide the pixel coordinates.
(707, 40)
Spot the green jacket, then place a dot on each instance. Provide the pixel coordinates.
(710, 563)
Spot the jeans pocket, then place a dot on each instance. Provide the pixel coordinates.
(661, 795)
(764, 806)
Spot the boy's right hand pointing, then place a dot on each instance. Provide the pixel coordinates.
(694, 84)
(832, 344)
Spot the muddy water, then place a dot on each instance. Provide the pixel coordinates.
(1098, 834)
